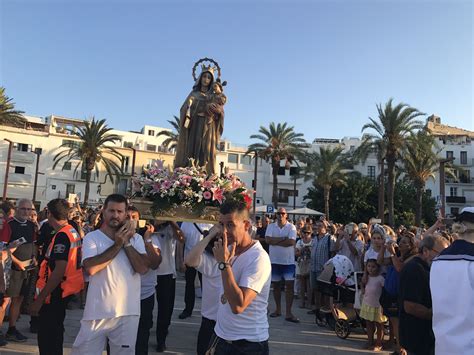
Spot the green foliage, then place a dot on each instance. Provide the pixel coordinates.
(420, 157)
(390, 129)
(278, 142)
(9, 116)
(405, 204)
(357, 201)
(171, 136)
(354, 202)
(92, 150)
(327, 168)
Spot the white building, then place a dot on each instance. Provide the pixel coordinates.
(458, 144)
(44, 136)
(41, 138)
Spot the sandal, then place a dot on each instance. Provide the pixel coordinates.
(275, 314)
(292, 319)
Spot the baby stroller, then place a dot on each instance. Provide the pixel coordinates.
(339, 281)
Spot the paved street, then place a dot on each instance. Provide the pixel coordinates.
(285, 337)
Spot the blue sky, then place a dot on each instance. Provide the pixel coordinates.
(319, 65)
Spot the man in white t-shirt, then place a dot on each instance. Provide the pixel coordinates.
(242, 323)
(168, 235)
(148, 282)
(193, 234)
(281, 237)
(113, 257)
(452, 290)
(203, 260)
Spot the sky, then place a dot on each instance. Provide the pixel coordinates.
(321, 66)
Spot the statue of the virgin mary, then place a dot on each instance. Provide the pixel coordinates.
(202, 119)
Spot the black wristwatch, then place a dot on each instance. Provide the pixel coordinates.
(222, 266)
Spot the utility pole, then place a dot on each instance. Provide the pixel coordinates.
(7, 170)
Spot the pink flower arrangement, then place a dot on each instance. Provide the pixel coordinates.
(188, 187)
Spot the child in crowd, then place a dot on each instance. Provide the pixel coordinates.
(303, 263)
(371, 309)
(378, 239)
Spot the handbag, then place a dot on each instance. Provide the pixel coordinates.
(304, 266)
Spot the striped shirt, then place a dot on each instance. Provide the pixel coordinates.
(320, 252)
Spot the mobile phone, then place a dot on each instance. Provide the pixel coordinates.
(16, 243)
(141, 223)
(349, 229)
(375, 221)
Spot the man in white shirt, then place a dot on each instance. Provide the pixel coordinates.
(452, 290)
(242, 323)
(202, 258)
(148, 281)
(281, 237)
(168, 235)
(193, 234)
(113, 257)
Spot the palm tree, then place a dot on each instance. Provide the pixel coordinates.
(278, 142)
(8, 115)
(393, 126)
(373, 144)
(91, 150)
(421, 162)
(172, 137)
(327, 168)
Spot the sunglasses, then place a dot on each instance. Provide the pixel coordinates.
(307, 232)
(281, 213)
(25, 209)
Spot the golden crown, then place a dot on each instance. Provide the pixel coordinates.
(208, 68)
(211, 68)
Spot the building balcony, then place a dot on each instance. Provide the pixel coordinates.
(461, 180)
(456, 199)
(21, 179)
(22, 157)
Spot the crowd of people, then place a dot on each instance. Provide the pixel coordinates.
(114, 265)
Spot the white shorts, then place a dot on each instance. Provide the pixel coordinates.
(121, 333)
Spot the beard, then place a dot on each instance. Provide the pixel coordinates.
(115, 223)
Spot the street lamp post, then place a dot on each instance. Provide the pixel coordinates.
(294, 186)
(7, 170)
(134, 156)
(381, 191)
(442, 184)
(255, 183)
(38, 153)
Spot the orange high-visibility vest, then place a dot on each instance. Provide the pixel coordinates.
(73, 280)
